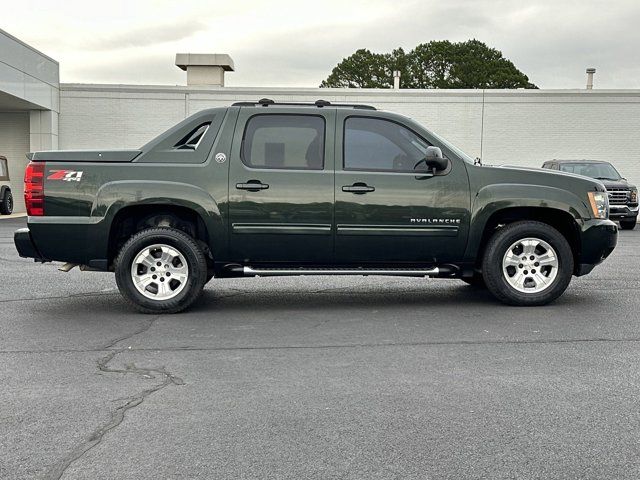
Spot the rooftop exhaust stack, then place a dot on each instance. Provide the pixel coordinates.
(396, 79)
(590, 72)
(206, 69)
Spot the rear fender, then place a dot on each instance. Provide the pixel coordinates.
(114, 196)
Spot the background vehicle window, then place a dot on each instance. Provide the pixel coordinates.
(4, 171)
(377, 144)
(602, 171)
(284, 141)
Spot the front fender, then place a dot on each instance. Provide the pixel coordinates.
(493, 198)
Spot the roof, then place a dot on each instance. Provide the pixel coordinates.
(265, 102)
(583, 160)
(184, 60)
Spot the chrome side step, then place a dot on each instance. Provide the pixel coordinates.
(396, 272)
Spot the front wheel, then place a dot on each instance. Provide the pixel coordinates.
(628, 225)
(527, 263)
(161, 270)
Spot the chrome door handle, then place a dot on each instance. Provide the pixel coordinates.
(358, 188)
(252, 186)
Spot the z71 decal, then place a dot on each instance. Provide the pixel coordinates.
(65, 175)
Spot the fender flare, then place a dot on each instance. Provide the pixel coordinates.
(495, 198)
(112, 197)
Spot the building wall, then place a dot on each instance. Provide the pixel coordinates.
(28, 75)
(29, 102)
(516, 127)
(14, 143)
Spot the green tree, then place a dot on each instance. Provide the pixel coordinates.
(364, 69)
(437, 64)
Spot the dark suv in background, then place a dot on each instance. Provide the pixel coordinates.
(623, 197)
(6, 198)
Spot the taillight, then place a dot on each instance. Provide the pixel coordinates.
(34, 189)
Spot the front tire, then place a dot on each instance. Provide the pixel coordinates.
(628, 225)
(6, 203)
(161, 270)
(527, 263)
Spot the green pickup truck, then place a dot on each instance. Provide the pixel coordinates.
(267, 189)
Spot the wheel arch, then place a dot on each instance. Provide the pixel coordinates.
(498, 204)
(122, 205)
(559, 219)
(131, 219)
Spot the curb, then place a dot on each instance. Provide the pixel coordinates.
(13, 215)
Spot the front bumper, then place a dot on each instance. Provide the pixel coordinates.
(25, 246)
(623, 212)
(599, 238)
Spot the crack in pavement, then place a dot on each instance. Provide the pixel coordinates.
(191, 348)
(133, 401)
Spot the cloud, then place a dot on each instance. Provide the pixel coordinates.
(145, 36)
(297, 43)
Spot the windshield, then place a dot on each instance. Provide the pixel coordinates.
(601, 171)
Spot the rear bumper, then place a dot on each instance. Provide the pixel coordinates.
(599, 238)
(25, 246)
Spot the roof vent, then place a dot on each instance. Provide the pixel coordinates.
(590, 72)
(205, 69)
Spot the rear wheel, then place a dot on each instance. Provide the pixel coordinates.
(628, 225)
(527, 263)
(6, 203)
(161, 270)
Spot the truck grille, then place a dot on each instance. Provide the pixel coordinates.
(618, 196)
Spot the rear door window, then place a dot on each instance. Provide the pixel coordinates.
(284, 141)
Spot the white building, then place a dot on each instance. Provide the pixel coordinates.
(517, 127)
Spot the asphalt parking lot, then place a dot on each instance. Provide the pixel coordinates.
(341, 377)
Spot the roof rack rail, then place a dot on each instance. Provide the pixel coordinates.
(265, 102)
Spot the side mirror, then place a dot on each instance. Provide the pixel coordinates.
(434, 159)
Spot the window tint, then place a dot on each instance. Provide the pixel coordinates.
(377, 144)
(284, 141)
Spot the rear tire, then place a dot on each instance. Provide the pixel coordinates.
(628, 225)
(527, 263)
(6, 204)
(161, 270)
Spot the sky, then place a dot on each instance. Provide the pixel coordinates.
(297, 43)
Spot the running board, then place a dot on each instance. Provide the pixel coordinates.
(443, 271)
